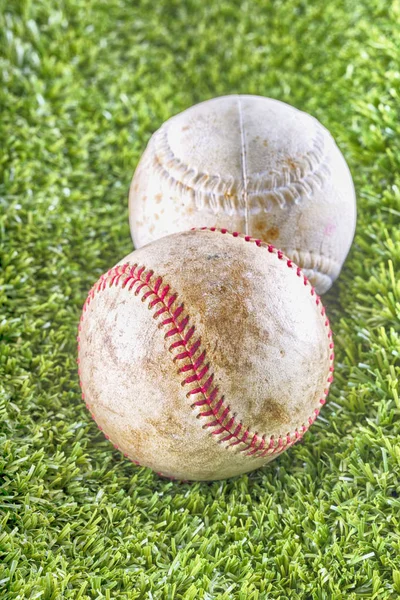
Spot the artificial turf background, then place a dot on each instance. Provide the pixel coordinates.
(83, 85)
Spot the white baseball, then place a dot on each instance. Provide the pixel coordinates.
(249, 164)
(204, 354)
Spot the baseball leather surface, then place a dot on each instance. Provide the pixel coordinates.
(254, 165)
(204, 354)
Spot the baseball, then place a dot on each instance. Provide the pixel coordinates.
(205, 354)
(249, 164)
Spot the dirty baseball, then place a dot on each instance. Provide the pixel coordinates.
(205, 354)
(249, 164)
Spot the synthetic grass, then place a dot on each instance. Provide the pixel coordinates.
(83, 85)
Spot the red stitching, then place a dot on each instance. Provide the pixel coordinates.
(223, 421)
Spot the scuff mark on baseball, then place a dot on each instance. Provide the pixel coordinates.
(205, 354)
(249, 164)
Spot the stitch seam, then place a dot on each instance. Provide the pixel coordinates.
(217, 193)
(197, 371)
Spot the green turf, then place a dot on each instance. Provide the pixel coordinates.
(84, 83)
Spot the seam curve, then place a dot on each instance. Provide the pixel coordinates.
(215, 193)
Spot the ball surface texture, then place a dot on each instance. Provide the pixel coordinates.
(249, 164)
(204, 354)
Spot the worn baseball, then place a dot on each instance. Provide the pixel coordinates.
(254, 165)
(204, 354)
